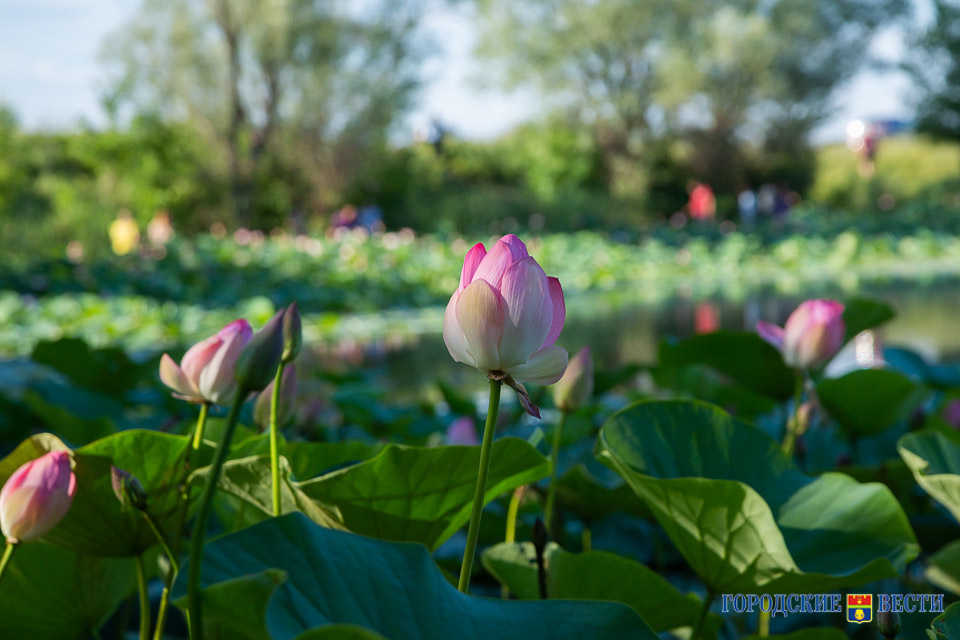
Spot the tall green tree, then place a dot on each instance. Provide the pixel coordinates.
(305, 88)
(717, 77)
(935, 66)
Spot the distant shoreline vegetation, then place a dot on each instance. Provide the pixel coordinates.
(358, 286)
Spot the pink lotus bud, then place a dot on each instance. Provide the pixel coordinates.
(576, 386)
(287, 403)
(813, 334)
(36, 497)
(462, 431)
(206, 372)
(506, 315)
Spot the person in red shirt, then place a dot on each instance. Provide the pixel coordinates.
(703, 206)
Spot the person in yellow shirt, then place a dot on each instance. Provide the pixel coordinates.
(124, 233)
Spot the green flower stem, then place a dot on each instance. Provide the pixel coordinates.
(171, 575)
(586, 537)
(200, 527)
(198, 432)
(511, 534)
(552, 489)
(473, 532)
(790, 436)
(512, 509)
(702, 617)
(174, 552)
(763, 624)
(162, 611)
(274, 439)
(5, 559)
(144, 599)
(162, 540)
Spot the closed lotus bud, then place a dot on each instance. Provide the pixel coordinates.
(575, 388)
(286, 405)
(257, 364)
(128, 489)
(36, 497)
(206, 372)
(813, 334)
(462, 431)
(292, 333)
(888, 624)
(506, 315)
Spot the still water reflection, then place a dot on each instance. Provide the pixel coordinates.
(621, 329)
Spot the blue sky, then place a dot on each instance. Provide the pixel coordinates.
(50, 73)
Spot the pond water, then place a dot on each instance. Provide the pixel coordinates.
(622, 328)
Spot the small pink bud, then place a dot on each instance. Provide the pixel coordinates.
(36, 497)
(576, 386)
(128, 489)
(506, 315)
(814, 333)
(287, 403)
(462, 431)
(206, 372)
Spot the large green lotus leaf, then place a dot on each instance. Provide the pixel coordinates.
(422, 494)
(742, 356)
(250, 480)
(934, 459)
(946, 626)
(309, 459)
(50, 593)
(861, 314)
(943, 569)
(394, 589)
(592, 498)
(594, 575)
(742, 515)
(96, 523)
(706, 383)
(868, 401)
(939, 376)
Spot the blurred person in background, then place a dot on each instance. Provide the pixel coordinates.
(124, 233)
(747, 206)
(160, 229)
(702, 205)
(370, 217)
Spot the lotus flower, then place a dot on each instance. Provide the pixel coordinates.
(36, 497)
(576, 386)
(813, 334)
(206, 373)
(506, 315)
